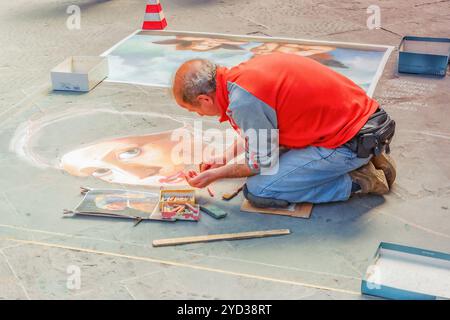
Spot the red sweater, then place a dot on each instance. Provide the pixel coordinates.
(313, 105)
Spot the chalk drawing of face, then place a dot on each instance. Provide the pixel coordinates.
(128, 147)
(135, 160)
(119, 147)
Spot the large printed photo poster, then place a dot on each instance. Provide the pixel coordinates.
(151, 58)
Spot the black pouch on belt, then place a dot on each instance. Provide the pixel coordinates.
(374, 137)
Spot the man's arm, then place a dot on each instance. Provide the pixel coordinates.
(233, 171)
(228, 171)
(237, 148)
(258, 125)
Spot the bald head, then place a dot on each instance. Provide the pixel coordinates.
(194, 78)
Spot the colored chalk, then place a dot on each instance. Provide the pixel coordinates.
(229, 196)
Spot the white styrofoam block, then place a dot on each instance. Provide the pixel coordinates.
(79, 73)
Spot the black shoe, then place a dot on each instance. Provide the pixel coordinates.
(260, 202)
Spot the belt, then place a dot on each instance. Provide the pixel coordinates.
(374, 137)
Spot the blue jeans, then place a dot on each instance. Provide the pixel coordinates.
(311, 174)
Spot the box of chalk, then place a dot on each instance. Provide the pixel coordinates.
(176, 196)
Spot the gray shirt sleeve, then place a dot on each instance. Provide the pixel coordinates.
(258, 125)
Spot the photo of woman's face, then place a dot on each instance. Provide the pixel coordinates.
(137, 160)
(302, 50)
(204, 44)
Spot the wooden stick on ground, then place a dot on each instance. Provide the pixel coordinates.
(218, 237)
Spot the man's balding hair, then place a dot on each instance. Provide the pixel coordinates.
(193, 78)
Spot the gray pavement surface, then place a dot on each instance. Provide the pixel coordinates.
(324, 258)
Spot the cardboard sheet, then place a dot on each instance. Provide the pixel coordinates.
(299, 210)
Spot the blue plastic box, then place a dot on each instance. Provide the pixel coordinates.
(424, 55)
(408, 273)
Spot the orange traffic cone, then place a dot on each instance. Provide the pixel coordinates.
(154, 17)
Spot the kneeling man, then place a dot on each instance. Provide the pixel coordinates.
(309, 133)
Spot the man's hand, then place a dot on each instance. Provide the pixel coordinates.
(201, 180)
(232, 152)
